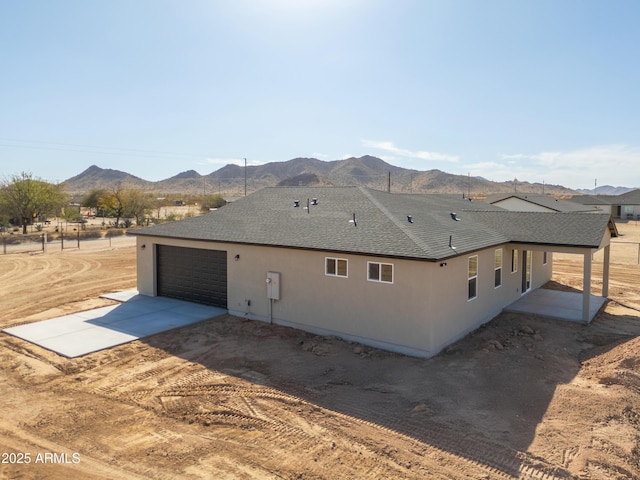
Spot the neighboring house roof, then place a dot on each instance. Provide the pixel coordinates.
(631, 197)
(545, 201)
(381, 228)
(591, 199)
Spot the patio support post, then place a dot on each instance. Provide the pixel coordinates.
(605, 271)
(586, 287)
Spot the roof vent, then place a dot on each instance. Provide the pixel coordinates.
(355, 223)
(296, 203)
(454, 216)
(409, 219)
(314, 201)
(450, 244)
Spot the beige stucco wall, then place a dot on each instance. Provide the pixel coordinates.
(424, 310)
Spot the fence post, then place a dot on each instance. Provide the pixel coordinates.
(78, 235)
(44, 242)
(4, 244)
(61, 240)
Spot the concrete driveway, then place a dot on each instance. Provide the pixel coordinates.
(137, 316)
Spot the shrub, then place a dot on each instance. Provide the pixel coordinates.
(115, 232)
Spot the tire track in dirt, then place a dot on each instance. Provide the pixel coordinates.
(194, 399)
(500, 461)
(200, 397)
(78, 276)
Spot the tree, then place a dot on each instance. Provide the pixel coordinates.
(212, 201)
(25, 198)
(137, 204)
(113, 200)
(92, 199)
(125, 202)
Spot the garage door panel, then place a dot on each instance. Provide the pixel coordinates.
(192, 274)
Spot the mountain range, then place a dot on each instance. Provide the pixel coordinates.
(367, 171)
(605, 190)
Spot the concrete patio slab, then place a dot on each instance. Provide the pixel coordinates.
(556, 304)
(136, 317)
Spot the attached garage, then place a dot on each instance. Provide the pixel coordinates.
(192, 274)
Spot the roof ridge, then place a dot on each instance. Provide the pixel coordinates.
(403, 228)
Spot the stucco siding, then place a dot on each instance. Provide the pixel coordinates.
(425, 308)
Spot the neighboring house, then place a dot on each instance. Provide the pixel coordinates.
(407, 273)
(525, 202)
(624, 207)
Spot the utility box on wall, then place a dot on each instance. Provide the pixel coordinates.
(273, 285)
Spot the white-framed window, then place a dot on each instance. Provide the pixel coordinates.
(473, 277)
(380, 272)
(514, 260)
(335, 267)
(497, 265)
(545, 259)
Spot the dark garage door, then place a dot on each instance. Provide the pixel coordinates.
(192, 274)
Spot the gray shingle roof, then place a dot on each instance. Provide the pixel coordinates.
(632, 197)
(546, 201)
(268, 217)
(548, 228)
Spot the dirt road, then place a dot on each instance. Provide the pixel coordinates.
(228, 398)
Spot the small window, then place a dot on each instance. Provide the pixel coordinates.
(514, 261)
(473, 277)
(498, 268)
(380, 272)
(335, 267)
(544, 258)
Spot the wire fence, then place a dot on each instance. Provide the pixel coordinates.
(67, 242)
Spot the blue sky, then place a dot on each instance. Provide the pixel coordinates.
(530, 89)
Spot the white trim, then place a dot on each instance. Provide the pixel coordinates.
(336, 274)
(472, 277)
(379, 280)
(495, 269)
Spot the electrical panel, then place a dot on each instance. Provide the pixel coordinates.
(273, 285)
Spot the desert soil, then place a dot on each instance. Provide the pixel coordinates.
(522, 397)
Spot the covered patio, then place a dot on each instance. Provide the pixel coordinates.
(558, 305)
(571, 306)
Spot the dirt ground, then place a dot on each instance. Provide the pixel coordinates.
(522, 397)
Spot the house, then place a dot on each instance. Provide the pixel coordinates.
(526, 202)
(623, 207)
(406, 273)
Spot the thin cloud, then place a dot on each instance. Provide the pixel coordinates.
(574, 168)
(402, 152)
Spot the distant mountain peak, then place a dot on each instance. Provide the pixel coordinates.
(188, 174)
(92, 169)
